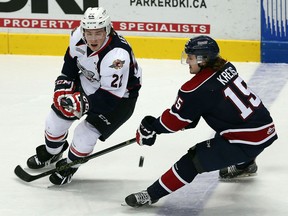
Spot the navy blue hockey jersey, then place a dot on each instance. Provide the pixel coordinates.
(225, 102)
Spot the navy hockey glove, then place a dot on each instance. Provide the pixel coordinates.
(145, 134)
(76, 104)
(64, 87)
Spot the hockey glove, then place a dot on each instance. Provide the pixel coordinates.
(145, 134)
(76, 104)
(64, 87)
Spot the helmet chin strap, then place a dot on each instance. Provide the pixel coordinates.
(201, 67)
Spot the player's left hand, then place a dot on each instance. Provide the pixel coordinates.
(76, 104)
(145, 134)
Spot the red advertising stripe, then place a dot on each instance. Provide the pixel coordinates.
(118, 25)
(38, 23)
(162, 27)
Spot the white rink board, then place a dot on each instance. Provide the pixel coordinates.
(243, 16)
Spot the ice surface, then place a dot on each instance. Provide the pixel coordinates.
(100, 186)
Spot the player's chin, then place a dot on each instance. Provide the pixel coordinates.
(94, 47)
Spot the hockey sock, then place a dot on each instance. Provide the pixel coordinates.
(55, 144)
(181, 173)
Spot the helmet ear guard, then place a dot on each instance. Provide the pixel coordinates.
(96, 18)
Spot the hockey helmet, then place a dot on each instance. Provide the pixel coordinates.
(96, 18)
(204, 47)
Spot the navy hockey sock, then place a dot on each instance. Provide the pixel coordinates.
(181, 173)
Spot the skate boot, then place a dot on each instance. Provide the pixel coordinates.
(233, 171)
(44, 158)
(139, 199)
(64, 176)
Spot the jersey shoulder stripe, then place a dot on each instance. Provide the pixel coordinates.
(172, 121)
(198, 80)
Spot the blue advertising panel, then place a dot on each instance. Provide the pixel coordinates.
(274, 31)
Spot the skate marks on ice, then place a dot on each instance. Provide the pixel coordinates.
(191, 199)
(268, 81)
(103, 197)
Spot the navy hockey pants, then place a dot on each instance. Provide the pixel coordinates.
(217, 153)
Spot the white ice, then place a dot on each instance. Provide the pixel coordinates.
(100, 186)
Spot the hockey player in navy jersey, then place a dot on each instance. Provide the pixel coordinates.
(217, 94)
(100, 78)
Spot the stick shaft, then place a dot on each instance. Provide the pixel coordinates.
(22, 174)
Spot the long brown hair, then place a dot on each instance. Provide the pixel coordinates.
(217, 63)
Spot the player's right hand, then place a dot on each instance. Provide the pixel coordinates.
(145, 134)
(76, 104)
(64, 87)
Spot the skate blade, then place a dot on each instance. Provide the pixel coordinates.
(124, 204)
(239, 177)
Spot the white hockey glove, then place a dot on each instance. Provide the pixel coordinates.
(76, 104)
(64, 87)
(145, 134)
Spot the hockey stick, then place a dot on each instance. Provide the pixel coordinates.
(22, 174)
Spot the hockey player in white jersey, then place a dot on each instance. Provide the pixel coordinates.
(100, 79)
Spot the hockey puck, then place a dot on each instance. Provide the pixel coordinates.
(141, 161)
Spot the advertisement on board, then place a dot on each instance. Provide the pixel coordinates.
(223, 19)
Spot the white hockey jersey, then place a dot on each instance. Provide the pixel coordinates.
(106, 75)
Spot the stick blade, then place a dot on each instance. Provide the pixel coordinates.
(22, 174)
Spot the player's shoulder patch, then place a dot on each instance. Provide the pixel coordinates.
(117, 64)
(77, 44)
(197, 80)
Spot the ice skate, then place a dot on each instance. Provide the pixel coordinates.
(64, 176)
(139, 199)
(44, 158)
(233, 172)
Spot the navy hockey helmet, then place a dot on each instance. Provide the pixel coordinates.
(204, 47)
